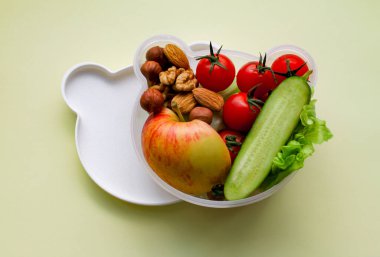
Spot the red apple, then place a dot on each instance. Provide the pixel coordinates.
(190, 156)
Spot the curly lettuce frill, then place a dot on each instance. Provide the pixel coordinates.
(300, 146)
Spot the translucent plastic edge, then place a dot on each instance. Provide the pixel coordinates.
(281, 49)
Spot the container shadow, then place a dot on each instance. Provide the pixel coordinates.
(185, 222)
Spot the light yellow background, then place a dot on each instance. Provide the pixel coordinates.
(50, 207)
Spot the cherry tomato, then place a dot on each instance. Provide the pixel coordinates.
(262, 92)
(215, 71)
(255, 74)
(296, 67)
(233, 141)
(240, 112)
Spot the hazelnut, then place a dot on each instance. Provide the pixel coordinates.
(156, 54)
(152, 100)
(201, 113)
(151, 71)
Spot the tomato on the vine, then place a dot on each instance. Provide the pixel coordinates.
(254, 74)
(262, 92)
(289, 65)
(215, 71)
(240, 111)
(233, 141)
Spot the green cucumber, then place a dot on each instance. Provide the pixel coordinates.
(273, 127)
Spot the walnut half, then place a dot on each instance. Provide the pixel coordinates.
(185, 81)
(168, 77)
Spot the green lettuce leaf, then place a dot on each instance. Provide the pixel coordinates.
(300, 146)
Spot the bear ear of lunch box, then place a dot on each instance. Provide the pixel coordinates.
(110, 120)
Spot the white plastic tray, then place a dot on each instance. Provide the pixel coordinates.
(109, 122)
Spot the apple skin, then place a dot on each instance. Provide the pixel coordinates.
(189, 156)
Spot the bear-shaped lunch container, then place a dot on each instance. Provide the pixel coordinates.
(110, 121)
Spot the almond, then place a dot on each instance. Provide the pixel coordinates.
(208, 98)
(185, 102)
(176, 56)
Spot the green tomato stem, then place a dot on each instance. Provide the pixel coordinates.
(307, 74)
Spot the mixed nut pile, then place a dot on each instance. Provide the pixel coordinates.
(172, 84)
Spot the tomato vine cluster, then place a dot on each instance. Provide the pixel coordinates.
(255, 81)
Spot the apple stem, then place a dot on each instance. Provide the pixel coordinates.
(176, 109)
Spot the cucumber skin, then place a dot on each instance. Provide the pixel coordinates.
(271, 130)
